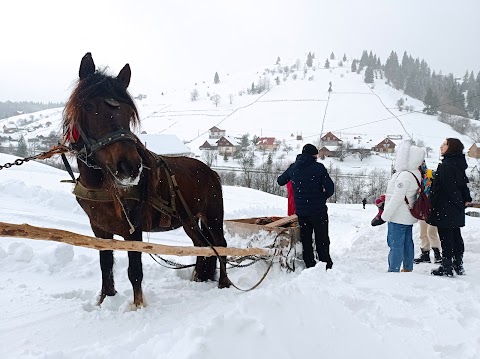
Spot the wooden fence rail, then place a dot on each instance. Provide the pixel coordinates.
(57, 235)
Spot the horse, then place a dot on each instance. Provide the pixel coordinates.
(126, 190)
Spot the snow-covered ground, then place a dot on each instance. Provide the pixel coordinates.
(356, 310)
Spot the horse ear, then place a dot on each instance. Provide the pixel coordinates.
(124, 75)
(87, 66)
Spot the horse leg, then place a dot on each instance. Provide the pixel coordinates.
(203, 267)
(135, 271)
(215, 235)
(106, 265)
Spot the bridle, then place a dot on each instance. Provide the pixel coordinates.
(90, 145)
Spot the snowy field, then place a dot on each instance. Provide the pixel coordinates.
(356, 310)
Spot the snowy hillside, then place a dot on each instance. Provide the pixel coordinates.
(354, 112)
(356, 310)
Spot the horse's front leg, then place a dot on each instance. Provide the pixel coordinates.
(135, 271)
(106, 265)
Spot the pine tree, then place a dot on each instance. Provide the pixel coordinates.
(332, 56)
(21, 150)
(363, 60)
(471, 101)
(369, 75)
(344, 57)
(309, 59)
(327, 64)
(216, 78)
(430, 102)
(354, 66)
(278, 60)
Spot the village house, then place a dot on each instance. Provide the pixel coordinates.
(9, 129)
(329, 139)
(227, 146)
(209, 145)
(385, 146)
(266, 143)
(216, 133)
(474, 151)
(327, 151)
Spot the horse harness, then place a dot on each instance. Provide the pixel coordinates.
(167, 208)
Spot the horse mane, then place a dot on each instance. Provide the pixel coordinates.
(98, 84)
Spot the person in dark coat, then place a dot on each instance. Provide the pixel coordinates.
(364, 202)
(312, 187)
(449, 196)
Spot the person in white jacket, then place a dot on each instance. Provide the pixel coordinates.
(396, 213)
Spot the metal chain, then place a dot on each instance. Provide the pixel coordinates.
(53, 151)
(17, 162)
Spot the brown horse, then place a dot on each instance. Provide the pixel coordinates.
(126, 189)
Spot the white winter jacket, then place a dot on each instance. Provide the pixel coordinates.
(403, 184)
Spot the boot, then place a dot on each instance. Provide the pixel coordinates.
(329, 265)
(458, 266)
(438, 255)
(405, 270)
(445, 269)
(424, 257)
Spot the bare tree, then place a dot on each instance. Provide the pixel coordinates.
(287, 148)
(194, 95)
(209, 157)
(363, 153)
(298, 63)
(216, 99)
(428, 150)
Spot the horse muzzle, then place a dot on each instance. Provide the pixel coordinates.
(126, 173)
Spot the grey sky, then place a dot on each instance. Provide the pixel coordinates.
(184, 42)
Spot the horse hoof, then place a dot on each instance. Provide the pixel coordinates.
(103, 295)
(224, 284)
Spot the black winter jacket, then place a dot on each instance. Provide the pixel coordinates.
(311, 184)
(449, 192)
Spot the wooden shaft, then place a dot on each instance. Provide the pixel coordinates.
(57, 235)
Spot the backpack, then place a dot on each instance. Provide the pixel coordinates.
(421, 208)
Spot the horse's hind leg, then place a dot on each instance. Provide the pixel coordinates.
(205, 266)
(106, 265)
(216, 237)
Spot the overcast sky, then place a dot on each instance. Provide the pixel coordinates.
(187, 41)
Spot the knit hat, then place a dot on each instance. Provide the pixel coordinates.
(309, 149)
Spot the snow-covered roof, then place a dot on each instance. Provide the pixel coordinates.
(232, 140)
(164, 144)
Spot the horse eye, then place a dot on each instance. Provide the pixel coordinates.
(88, 107)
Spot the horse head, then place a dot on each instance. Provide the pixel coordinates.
(97, 118)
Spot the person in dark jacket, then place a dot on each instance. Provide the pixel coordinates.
(449, 196)
(312, 187)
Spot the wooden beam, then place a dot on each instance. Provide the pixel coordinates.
(282, 221)
(57, 235)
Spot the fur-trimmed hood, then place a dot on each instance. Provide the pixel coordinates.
(408, 157)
